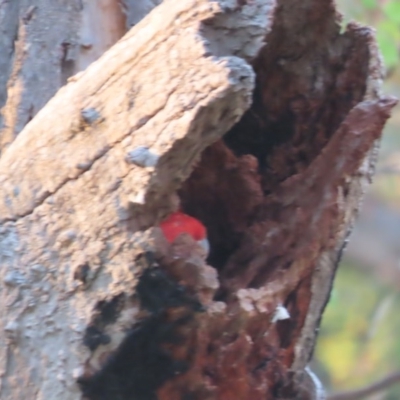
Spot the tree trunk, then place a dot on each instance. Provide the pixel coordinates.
(261, 119)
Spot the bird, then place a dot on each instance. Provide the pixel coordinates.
(178, 223)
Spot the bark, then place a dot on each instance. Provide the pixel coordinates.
(264, 119)
(36, 38)
(44, 42)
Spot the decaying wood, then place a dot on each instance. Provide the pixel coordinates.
(264, 119)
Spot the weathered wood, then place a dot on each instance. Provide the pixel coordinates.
(71, 206)
(38, 40)
(44, 42)
(286, 193)
(91, 290)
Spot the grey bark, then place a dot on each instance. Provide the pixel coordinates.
(88, 282)
(39, 40)
(68, 195)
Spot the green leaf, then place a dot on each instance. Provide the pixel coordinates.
(392, 11)
(388, 38)
(389, 52)
(369, 4)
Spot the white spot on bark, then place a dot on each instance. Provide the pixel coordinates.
(281, 313)
(77, 372)
(139, 198)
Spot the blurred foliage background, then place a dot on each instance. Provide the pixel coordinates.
(359, 340)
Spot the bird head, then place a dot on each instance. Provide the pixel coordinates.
(178, 223)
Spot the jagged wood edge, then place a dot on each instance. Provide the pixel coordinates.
(324, 273)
